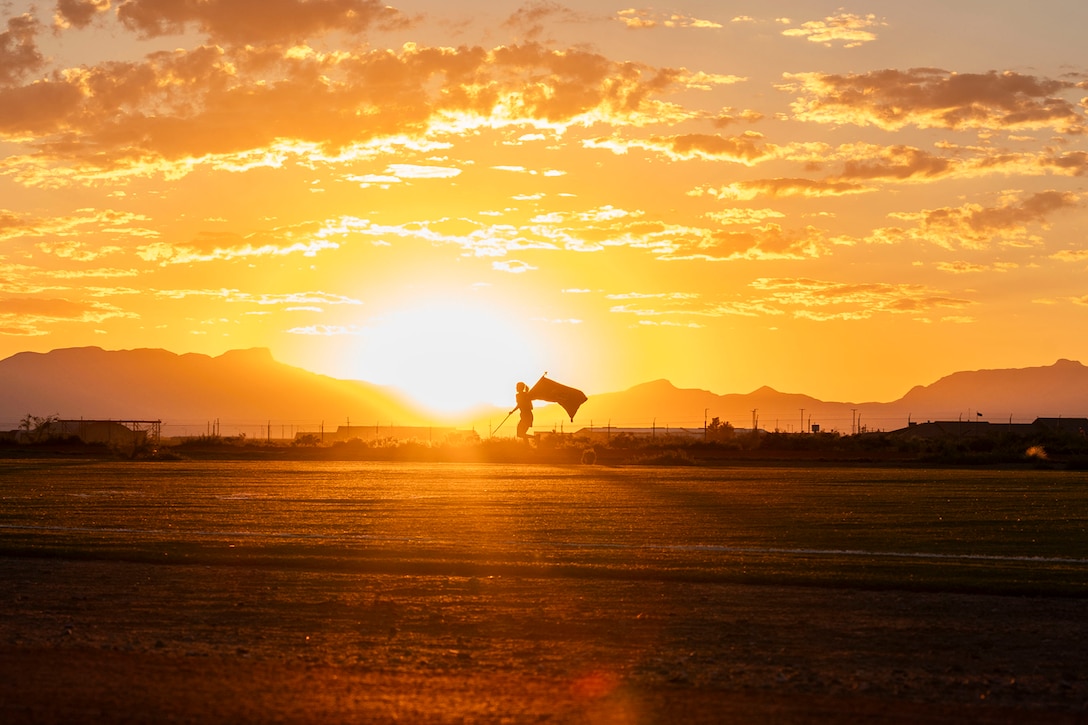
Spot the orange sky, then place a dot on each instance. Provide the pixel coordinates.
(843, 201)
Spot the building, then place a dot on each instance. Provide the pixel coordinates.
(980, 429)
(113, 433)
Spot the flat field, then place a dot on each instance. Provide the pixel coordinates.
(398, 592)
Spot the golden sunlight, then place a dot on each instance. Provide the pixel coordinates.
(448, 355)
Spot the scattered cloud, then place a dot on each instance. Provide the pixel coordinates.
(19, 53)
(1071, 255)
(242, 107)
(531, 19)
(975, 226)
(808, 299)
(823, 301)
(961, 267)
(292, 301)
(747, 148)
(415, 171)
(240, 22)
(78, 13)
(513, 266)
(307, 240)
(847, 29)
(932, 98)
(778, 188)
(325, 330)
(36, 316)
(644, 19)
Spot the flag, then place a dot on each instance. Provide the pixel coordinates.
(553, 392)
(978, 414)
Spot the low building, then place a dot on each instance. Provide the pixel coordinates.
(979, 429)
(113, 433)
(108, 432)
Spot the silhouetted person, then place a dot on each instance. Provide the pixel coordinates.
(525, 405)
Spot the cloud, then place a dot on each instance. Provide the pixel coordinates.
(974, 226)
(823, 301)
(530, 19)
(746, 148)
(19, 54)
(600, 228)
(14, 225)
(293, 301)
(652, 296)
(60, 231)
(737, 215)
(645, 19)
(895, 162)
(801, 298)
(933, 98)
(513, 266)
(765, 242)
(1074, 163)
(774, 188)
(34, 316)
(846, 28)
(78, 13)
(651, 307)
(239, 22)
(325, 330)
(242, 107)
(1071, 255)
(212, 248)
(75, 250)
(297, 298)
(97, 273)
(962, 267)
(414, 171)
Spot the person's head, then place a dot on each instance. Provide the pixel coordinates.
(522, 387)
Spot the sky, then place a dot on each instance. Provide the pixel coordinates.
(838, 200)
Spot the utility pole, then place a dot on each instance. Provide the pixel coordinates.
(754, 419)
(705, 411)
(802, 420)
(853, 421)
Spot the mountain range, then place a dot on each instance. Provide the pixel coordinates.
(250, 388)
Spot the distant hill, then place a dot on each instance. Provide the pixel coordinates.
(240, 386)
(1061, 388)
(662, 404)
(1022, 394)
(250, 387)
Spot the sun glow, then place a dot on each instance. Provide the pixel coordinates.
(448, 355)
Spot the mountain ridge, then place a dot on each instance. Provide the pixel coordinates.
(249, 385)
(150, 383)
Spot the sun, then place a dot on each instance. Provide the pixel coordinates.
(449, 355)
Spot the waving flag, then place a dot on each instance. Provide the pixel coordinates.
(552, 392)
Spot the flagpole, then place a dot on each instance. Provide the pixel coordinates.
(496, 430)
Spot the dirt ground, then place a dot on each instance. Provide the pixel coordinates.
(131, 641)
